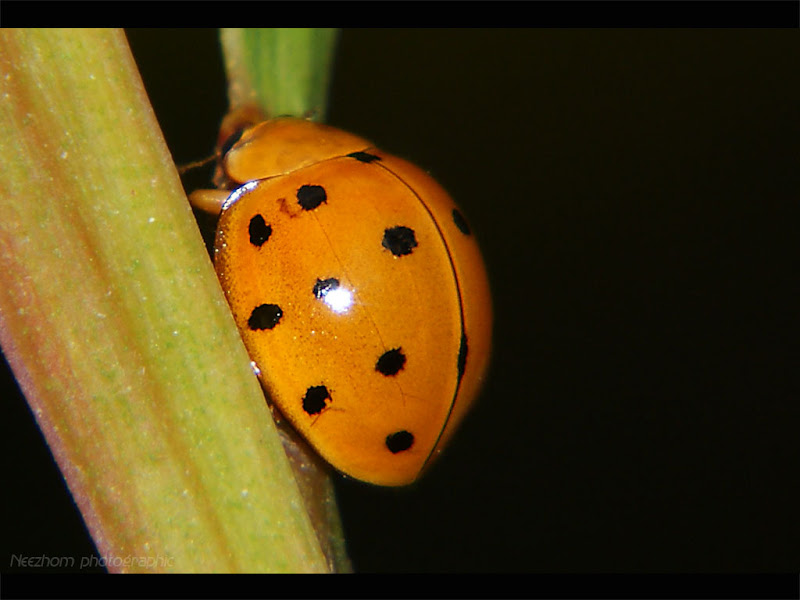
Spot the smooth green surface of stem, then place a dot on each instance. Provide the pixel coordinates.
(283, 71)
(116, 329)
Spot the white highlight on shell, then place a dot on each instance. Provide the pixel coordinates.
(237, 193)
(254, 367)
(339, 300)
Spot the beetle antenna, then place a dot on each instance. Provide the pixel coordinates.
(196, 164)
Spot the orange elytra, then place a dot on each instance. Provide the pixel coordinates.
(359, 290)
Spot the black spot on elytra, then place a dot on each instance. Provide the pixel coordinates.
(310, 197)
(259, 230)
(323, 286)
(399, 441)
(462, 357)
(391, 362)
(364, 157)
(399, 240)
(265, 316)
(461, 222)
(316, 399)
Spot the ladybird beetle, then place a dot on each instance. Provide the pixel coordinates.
(359, 291)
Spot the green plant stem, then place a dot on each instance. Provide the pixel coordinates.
(116, 329)
(282, 71)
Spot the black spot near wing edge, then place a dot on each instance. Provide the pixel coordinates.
(258, 230)
(399, 441)
(364, 157)
(462, 357)
(265, 316)
(316, 400)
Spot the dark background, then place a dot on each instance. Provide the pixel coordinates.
(636, 196)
